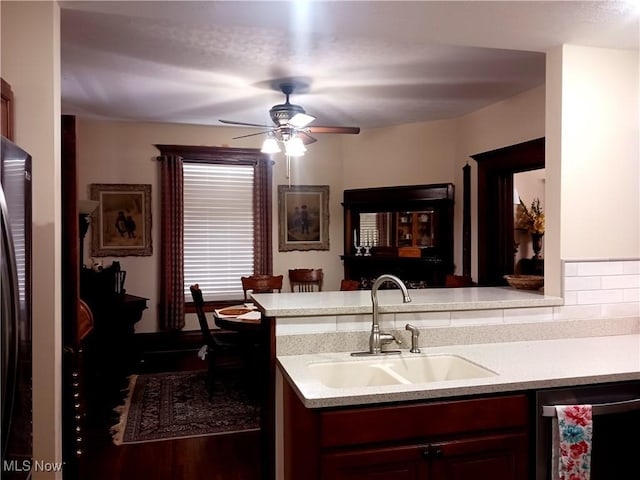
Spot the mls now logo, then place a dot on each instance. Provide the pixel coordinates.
(30, 465)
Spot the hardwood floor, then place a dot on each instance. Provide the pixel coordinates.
(224, 457)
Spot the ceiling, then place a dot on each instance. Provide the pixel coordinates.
(367, 64)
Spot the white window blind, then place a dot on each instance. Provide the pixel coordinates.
(218, 228)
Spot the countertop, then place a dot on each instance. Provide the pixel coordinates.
(422, 300)
(526, 365)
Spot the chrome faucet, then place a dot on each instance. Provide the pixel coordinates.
(377, 338)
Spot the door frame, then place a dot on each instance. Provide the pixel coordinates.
(495, 205)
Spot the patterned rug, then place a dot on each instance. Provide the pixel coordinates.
(176, 405)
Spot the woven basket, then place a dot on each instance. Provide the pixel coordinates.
(525, 282)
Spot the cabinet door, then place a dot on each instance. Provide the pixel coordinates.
(494, 457)
(391, 463)
(404, 229)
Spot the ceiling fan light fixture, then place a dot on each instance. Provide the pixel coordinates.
(301, 120)
(295, 147)
(270, 145)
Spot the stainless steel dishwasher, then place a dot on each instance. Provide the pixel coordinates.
(616, 423)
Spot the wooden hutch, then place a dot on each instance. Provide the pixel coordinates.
(406, 231)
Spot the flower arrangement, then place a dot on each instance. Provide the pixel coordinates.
(531, 219)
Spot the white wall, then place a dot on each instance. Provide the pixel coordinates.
(33, 71)
(412, 154)
(599, 154)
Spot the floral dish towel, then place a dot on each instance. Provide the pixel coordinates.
(572, 434)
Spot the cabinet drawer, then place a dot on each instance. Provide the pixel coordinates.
(486, 457)
(398, 463)
(357, 426)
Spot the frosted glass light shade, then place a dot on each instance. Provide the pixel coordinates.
(295, 147)
(270, 145)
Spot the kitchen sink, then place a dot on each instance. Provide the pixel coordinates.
(354, 374)
(437, 368)
(397, 370)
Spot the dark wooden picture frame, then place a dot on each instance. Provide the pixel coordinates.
(303, 217)
(122, 224)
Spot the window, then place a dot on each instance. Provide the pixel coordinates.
(215, 224)
(218, 228)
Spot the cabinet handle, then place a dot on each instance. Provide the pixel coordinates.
(602, 408)
(426, 454)
(432, 451)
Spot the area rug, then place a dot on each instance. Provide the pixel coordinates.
(176, 405)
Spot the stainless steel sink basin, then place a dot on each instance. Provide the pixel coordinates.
(397, 370)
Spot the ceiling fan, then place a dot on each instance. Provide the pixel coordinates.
(290, 126)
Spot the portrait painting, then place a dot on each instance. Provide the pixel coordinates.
(122, 225)
(303, 217)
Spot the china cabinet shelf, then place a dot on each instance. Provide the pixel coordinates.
(408, 229)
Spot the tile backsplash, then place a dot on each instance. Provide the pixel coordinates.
(600, 289)
(592, 290)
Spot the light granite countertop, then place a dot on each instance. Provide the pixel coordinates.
(422, 300)
(522, 365)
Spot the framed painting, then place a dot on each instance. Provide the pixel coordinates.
(122, 223)
(303, 217)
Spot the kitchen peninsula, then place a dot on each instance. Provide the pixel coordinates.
(528, 354)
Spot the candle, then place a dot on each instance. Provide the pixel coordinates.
(355, 238)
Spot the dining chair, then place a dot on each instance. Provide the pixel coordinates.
(306, 279)
(213, 344)
(261, 284)
(455, 281)
(347, 285)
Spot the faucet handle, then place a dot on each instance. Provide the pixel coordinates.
(388, 338)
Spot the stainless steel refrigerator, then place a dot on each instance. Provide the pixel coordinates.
(16, 307)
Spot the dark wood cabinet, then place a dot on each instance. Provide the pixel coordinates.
(479, 438)
(6, 112)
(482, 457)
(110, 353)
(494, 457)
(397, 463)
(406, 231)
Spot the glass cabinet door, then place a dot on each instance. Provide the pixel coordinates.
(424, 228)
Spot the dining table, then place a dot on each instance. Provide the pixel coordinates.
(243, 318)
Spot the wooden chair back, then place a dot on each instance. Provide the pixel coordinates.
(306, 279)
(347, 285)
(198, 302)
(261, 284)
(213, 343)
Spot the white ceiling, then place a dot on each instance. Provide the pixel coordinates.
(367, 64)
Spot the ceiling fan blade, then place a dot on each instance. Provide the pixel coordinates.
(252, 134)
(306, 138)
(301, 120)
(318, 129)
(231, 122)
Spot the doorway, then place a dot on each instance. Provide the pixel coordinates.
(495, 206)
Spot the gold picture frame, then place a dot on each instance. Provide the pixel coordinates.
(303, 217)
(122, 224)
